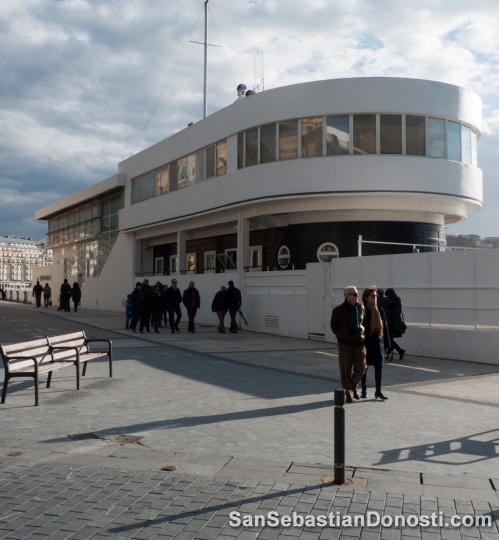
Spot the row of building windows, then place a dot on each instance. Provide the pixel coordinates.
(357, 134)
(183, 172)
(325, 253)
(98, 217)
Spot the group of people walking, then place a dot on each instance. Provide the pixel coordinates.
(68, 293)
(149, 305)
(365, 333)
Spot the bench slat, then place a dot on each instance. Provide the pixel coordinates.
(26, 345)
(66, 337)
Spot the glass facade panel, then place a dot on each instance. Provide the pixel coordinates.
(436, 137)
(190, 263)
(210, 162)
(454, 141)
(191, 169)
(415, 136)
(337, 135)
(390, 133)
(210, 261)
(474, 152)
(221, 157)
(251, 147)
(311, 137)
(104, 224)
(150, 187)
(466, 142)
(240, 150)
(268, 144)
(288, 140)
(114, 223)
(115, 203)
(182, 173)
(364, 134)
(162, 180)
(200, 174)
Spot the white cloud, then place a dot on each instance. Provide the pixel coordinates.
(80, 77)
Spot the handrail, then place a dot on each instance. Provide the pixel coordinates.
(360, 241)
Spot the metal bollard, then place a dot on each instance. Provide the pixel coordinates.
(339, 436)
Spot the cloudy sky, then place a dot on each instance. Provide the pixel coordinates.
(86, 83)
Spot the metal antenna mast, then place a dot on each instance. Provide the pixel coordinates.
(206, 45)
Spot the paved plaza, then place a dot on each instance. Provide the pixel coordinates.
(194, 426)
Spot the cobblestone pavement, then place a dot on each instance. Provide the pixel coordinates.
(241, 438)
(73, 502)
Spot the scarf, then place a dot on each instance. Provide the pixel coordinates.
(376, 321)
(354, 320)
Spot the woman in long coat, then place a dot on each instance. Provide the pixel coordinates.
(396, 324)
(377, 339)
(76, 295)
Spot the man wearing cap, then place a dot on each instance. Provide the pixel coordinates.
(347, 325)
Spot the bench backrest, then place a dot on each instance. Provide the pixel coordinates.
(38, 348)
(76, 339)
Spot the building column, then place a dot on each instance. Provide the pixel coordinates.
(180, 253)
(243, 248)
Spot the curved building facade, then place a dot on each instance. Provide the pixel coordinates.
(294, 175)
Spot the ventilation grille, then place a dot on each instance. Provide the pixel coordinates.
(173, 176)
(271, 321)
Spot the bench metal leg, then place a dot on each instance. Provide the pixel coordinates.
(110, 363)
(4, 391)
(37, 390)
(77, 374)
(49, 378)
(84, 369)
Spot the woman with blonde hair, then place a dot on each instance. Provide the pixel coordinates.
(377, 339)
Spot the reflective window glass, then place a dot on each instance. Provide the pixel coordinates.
(88, 211)
(240, 150)
(95, 210)
(466, 142)
(454, 141)
(135, 191)
(415, 138)
(162, 180)
(114, 223)
(182, 173)
(190, 263)
(104, 224)
(191, 169)
(221, 157)
(150, 187)
(115, 201)
(311, 137)
(364, 133)
(337, 135)
(474, 151)
(251, 147)
(288, 140)
(268, 143)
(436, 137)
(209, 261)
(142, 190)
(390, 133)
(200, 175)
(105, 203)
(210, 162)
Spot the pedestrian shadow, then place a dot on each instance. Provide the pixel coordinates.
(192, 421)
(257, 381)
(461, 451)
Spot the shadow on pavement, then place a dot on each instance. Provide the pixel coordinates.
(461, 451)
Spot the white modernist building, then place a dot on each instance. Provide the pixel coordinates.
(274, 182)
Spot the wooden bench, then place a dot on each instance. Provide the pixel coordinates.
(35, 358)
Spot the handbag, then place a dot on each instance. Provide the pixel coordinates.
(403, 326)
(50, 302)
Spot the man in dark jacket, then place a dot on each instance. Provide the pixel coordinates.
(139, 308)
(65, 295)
(235, 301)
(347, 325)
(174, 298)
(220, 306)
(37, 293)
(192, 302)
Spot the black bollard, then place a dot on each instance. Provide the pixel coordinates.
(339, 436)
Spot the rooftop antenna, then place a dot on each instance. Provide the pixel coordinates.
(206, 45)
(262, 76)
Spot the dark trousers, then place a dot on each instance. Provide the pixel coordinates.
(172, 311)
(233, 322)
(129, 321)
(191, 313)
(135, 319)
(395, 346)
(156, 319)
(378, 368)
(164, 317)
(38, 298)
(46, 299)
(75, 305)
(145, 317)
